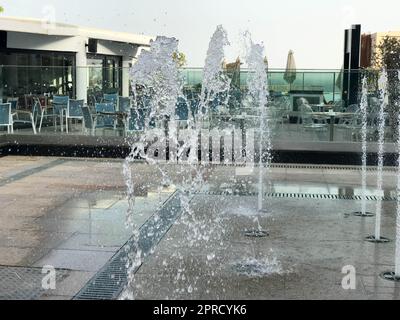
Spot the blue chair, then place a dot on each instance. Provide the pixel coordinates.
(14, 104)
(137, 119)
(6, 117)
(60, 104)
(124, 104)
(104, 120)
(111, 98)
(73, 111)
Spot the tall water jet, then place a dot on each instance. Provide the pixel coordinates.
(397, 254)
(215, 82)
(158, 75)
(390, 275)
(364, 115)
(258, 90)
(203, 230)
(383, 81)
(364, 129)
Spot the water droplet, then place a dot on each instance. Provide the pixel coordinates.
(211, 257)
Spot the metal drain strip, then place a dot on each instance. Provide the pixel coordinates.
(307, 167)
(299, 196)
(329, 167)
(111, 280)
(29, 172)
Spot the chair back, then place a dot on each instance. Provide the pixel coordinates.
(87, 117)
(137, 119)
(5, 114)
(105, 107)
(14, 103)
(124, 104)
(60, 102)
(111, 98)
(74, 109)
(105, 120)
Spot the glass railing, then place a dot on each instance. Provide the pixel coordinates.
(333, 98)
(311, 80)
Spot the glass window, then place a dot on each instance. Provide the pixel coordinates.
(36, 72)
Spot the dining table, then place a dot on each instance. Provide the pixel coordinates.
(332, 116)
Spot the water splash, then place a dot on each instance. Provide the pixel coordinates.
(364, 119)
(203, 233)
(158, 76)
(258, 90)
(383, 80)
(215, 81)
(397, 255)
(161, 85)
(254, 268)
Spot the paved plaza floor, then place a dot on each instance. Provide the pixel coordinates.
(70, 214)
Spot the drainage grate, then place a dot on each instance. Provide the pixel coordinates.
(329, 167)
(18, 283)
(297, 195)
(109, 282)
(309, 167)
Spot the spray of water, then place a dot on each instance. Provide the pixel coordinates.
(363, 107)
(258, 90)
(215, 82)
(383, 80)
(160, 83)
(202, 230)
(397, 255)
(158, 76)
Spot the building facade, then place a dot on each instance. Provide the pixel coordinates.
(370, 44)
(37, 57)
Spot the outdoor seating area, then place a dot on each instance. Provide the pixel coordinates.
(122, 116)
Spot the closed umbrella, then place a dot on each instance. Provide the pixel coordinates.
(291, 72)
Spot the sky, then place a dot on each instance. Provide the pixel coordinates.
(313, 29)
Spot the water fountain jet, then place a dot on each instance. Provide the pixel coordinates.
(383, 81)
(364, 119)
(390, 275)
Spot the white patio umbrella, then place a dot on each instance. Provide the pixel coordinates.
(290, 73)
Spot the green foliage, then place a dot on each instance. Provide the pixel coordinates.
(1, 9)
(179, 58)
(387, 55)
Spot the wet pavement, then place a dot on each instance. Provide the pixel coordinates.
(70, 214)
